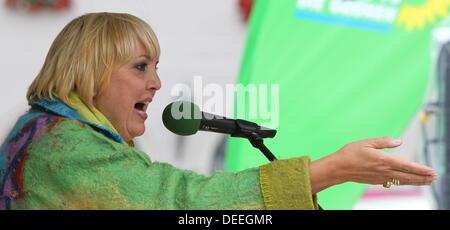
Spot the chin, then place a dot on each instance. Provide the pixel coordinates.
(138, 132)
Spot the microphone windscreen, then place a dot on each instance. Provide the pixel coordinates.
(182, 118)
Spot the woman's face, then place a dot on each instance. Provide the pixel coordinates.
(132, 88)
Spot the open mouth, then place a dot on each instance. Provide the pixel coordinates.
(140, 106)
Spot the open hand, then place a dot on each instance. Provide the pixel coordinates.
(365, 162)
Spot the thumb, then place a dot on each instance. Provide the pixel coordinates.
(384, 142)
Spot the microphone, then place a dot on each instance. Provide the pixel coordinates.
(185, 118)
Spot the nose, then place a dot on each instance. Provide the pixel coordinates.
(154, 83)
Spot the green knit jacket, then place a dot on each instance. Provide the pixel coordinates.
(53, 159)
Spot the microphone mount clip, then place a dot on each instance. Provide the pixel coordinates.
(255, 134)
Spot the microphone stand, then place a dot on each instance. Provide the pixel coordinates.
(258, 143)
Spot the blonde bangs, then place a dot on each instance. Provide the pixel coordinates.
(84, 53)
(129, 34)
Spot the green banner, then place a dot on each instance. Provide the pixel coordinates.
(346, 70)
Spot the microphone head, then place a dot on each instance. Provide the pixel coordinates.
(182, 118)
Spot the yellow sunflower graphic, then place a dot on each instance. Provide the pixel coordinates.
(418, 16)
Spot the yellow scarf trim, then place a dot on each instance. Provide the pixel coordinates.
(92, 115)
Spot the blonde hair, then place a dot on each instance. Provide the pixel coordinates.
(84, 53)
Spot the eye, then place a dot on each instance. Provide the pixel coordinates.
(141, 67)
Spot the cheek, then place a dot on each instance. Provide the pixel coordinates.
(127, 94)
(125, 90)
(117, 103)
(124, 105)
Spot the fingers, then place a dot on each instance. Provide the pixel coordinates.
(409, 167)
(411, 179)
(384, 142)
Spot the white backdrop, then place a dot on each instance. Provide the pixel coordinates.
(197, 37)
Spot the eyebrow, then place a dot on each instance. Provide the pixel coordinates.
(145, 56)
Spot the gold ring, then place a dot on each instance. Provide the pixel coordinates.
(391, 182)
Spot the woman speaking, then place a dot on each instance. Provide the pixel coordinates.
(74, 148)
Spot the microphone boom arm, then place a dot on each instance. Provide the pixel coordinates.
(239, 128)
(255, 135)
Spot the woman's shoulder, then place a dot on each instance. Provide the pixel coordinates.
(36, 124)
(70, 140)
(73, 143)
(35, 127)
(68, 131)
(48, 138)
